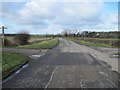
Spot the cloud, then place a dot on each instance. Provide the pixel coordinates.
(109, 21)
(55, 16)
(78, 13)
(110, 18)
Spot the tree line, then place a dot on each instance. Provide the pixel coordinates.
(77, 33)
(92, 34)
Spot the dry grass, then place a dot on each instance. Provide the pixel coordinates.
(37, 39)
(10, 38)
(32, 39)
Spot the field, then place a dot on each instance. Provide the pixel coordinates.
(11, 62)
(32, 39)
(44, 44)
(97, 42)
(35, 42)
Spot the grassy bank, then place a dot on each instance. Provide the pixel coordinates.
(31, 42)
(44, 44)
(11, 62)
(88, 43)
(98, 42)
(32, 39)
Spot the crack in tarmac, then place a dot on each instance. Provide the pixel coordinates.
(50, 78)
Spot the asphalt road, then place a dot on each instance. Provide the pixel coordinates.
(65, 66)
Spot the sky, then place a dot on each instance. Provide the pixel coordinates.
(37, 17)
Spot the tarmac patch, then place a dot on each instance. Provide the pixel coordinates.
(97, 84)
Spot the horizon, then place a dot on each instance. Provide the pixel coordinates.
(61, 33)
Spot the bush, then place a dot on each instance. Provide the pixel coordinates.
(7, 42)
(22, 38)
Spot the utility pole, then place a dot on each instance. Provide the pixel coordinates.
(3, 39)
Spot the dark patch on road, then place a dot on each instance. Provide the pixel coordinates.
(68, 58)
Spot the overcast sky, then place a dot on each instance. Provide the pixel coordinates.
(53, 17)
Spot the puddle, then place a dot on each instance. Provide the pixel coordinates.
(7, 79)
(115, 56)
(18, 71)
(21, 69)
(36, 55)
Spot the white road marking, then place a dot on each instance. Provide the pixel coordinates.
(50, 78)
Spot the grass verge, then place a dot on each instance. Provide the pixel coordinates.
(43, 44)
(89, 43)
(11, 62)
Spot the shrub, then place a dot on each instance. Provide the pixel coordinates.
(22, 38)
(7, 42)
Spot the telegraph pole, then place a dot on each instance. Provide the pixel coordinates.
(3, 39)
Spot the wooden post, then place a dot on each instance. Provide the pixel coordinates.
(3, 39)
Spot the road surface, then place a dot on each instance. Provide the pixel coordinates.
(68, 65)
